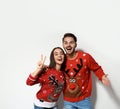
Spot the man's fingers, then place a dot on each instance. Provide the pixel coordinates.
(106, 75)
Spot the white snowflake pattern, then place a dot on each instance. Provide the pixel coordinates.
(71, 73)
(76, 60)
(82, 81)
(84, 60)
(83, 87)
(44, 91)
(71, 65)
(84, 54)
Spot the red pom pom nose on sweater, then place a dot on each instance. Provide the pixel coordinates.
(72, 86)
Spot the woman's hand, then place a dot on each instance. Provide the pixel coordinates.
(39, 67)
(41, 62)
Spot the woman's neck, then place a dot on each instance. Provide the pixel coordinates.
(58, 67)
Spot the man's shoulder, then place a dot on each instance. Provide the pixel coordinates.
(83, 53)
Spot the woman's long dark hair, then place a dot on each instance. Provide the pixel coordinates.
(52, 60)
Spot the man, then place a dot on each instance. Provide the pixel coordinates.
(78, 75)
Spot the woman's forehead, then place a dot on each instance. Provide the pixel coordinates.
(57, 50)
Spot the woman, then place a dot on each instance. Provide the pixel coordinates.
(51, 80)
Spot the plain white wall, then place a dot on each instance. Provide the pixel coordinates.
(29, 28)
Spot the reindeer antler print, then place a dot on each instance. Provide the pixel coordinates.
(76, 70)
(79, 66)
(67, 72)
(53, 81)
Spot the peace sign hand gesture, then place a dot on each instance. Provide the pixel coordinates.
(40, 67)
(41, 62)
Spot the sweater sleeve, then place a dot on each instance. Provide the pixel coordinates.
(95, 67)
(31, 80)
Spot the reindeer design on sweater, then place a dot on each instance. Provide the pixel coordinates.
(73, 79)
(57, 88)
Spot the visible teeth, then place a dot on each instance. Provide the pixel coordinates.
(59, 59)
(68, 48)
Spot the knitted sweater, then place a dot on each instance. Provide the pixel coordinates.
(78, 76)
(51, 81)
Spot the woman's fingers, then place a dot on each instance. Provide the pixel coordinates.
(42, 61)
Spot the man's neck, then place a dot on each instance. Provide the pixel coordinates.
(72, 56)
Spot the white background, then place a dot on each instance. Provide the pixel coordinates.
(29, 28)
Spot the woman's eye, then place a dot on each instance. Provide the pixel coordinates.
(56, 54)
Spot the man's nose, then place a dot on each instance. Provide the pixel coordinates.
(68, 44)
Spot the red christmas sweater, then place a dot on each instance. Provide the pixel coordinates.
(78, 76)
(52, 83)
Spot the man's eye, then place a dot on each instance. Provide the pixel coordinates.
(72, 42)
(65, 42)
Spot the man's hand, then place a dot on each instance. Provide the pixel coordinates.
(105, 80)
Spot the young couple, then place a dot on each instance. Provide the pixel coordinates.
(69, 72)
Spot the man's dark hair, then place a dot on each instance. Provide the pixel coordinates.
(69, 35)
